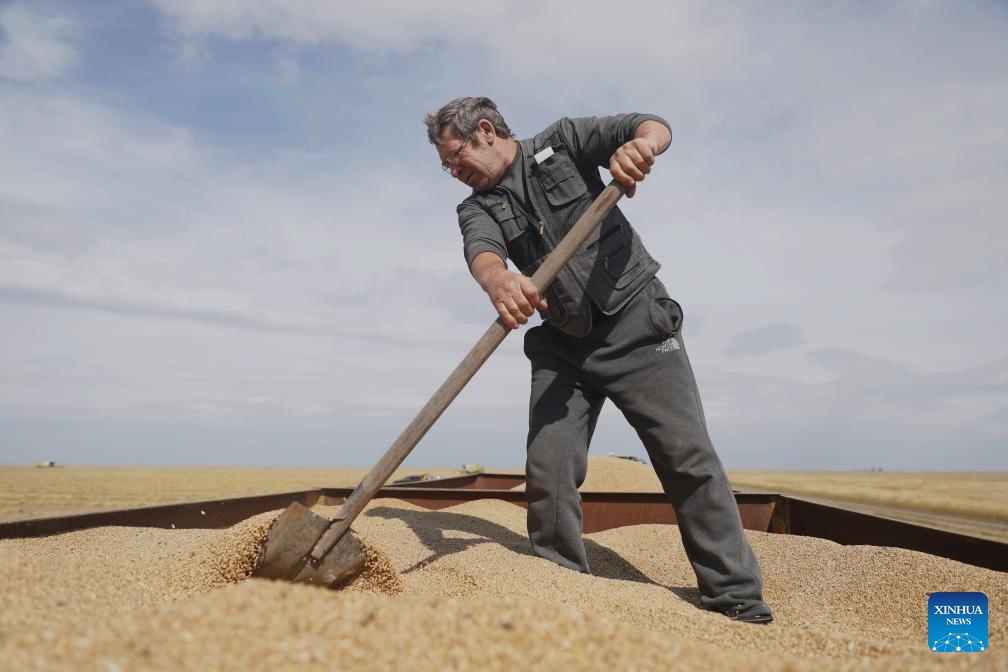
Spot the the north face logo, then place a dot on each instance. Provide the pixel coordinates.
(668, 346)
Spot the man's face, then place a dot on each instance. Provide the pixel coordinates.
(473, 160)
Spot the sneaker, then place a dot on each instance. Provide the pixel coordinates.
(758, 613)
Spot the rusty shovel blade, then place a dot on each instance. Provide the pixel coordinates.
(286, 553)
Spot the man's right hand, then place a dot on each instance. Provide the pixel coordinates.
(513, 295)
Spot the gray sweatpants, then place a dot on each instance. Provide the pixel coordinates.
(637, 360)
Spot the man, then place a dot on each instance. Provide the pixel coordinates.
(610, 331)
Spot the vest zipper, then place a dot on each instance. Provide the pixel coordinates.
(533, 187)
(539, 225)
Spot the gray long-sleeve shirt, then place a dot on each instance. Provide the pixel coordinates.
(592, 140)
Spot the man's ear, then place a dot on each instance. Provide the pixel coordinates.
(487, 131)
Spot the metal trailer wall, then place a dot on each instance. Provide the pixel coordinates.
(765, 512)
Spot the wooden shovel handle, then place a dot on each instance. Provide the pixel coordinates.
(462, 374)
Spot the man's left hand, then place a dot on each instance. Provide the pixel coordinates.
(632, 162)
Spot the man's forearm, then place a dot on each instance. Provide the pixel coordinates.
(656, 133)
(631, 162)
(484, 266)
(513, 295)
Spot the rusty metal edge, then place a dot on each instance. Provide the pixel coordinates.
(815, 519)
(602, 510)
(216, 513)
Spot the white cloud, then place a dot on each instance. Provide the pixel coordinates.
(35, 45)
(542, 43)
(765, 339)
(285, 64)
(889, 118)
(383, 25)
(871, 412)
(149, 257)
(126, 190)
(193, 54)
(836, 174)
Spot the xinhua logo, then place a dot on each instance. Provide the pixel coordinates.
(957, 622)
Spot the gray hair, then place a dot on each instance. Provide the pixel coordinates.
(464, 114)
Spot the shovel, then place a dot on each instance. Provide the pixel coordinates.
(304, 547)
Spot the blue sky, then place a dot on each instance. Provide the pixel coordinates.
(224, 239)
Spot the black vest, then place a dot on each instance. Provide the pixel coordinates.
(610, 267)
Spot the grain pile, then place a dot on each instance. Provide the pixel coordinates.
(615, 474)
(379, 574)
(458, 589)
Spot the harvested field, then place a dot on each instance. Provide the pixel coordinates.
(972, 503)
(459, 589)
(981, 495)
(29, 492)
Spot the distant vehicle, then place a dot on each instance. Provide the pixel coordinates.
(418, 477)
(46, 463)
(632, 458)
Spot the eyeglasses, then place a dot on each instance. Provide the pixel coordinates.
(450, 160)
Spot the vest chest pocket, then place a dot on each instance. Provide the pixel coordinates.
(508, 222)
(560, 180)
(524, 242)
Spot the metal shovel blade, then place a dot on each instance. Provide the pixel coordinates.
(285, 554)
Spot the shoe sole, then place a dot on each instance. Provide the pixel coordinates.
(759, 619)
